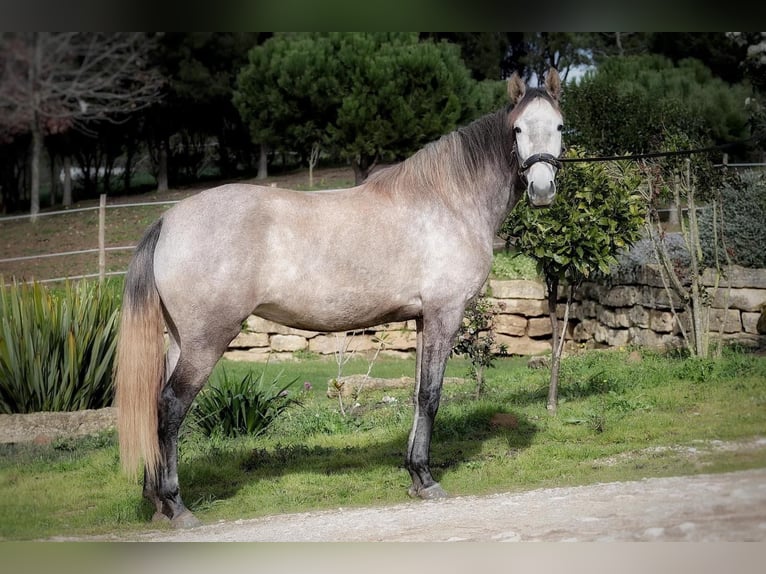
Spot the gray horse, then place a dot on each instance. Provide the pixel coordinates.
(412, 242)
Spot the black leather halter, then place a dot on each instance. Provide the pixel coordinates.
(525, 164)
(539, 157)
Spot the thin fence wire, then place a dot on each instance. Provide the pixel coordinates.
(101, 250)
(79, 209)
(65, 253)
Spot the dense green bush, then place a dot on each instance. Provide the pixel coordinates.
(743, 223)
(231, 407)
(57, 347)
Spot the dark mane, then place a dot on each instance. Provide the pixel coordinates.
(453, 162)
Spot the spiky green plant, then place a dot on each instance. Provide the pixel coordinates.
(57, 347)
(247, 406)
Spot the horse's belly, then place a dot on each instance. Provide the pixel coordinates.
(333, 313)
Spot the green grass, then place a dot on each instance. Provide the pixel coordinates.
(511, 265)
(612, 416)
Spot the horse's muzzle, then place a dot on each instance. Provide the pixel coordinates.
(541, 184)
(539, 172)
(541, 196)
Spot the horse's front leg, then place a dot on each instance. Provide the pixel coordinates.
(434, 343)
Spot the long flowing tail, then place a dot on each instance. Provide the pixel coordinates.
(140, 363)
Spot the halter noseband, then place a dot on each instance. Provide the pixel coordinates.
(525, 164)
(539, 157)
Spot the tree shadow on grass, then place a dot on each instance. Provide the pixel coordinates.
(458, 437)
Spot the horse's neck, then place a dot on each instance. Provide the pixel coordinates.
(498, 182)
(501, 198)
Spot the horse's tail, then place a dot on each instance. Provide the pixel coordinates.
(140, 363)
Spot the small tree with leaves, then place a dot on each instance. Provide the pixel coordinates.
(597, 212)
(476, 340)
(361, 96)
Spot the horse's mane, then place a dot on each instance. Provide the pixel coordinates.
(479, 153)
(452, 163)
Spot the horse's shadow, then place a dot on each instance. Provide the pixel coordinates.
(457, 440)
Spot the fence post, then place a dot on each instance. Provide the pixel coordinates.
(101, 238)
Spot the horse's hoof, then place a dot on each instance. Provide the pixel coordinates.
(433, 492)
(185, 520)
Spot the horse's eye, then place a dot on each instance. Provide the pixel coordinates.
(560, 127)
(517, 129)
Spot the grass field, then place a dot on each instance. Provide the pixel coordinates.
(621, 417)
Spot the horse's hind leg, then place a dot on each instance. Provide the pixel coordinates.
(151, 487)
(189, 376)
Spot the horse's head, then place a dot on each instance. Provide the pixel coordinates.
(537, 123)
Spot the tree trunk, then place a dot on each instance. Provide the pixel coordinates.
(53, 177)
(362, 166)
(34, 160)
(673, 214)
(126, 175)
(37, 132)
(700, 305)
(553, 388)
(263, 163)
(162, 168)
(67, 199)
(313, 158)
(558, 338)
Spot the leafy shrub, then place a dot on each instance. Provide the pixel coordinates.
(57, 347)
(744, 228)
(235, 407)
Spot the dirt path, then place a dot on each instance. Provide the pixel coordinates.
(703, 508)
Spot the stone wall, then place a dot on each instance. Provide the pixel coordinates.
(262, 340)
(632, 309)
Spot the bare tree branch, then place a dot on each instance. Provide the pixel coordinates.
(54, 81)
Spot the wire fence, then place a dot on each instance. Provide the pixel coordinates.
(101, 250)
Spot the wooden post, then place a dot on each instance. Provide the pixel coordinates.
(101, 238)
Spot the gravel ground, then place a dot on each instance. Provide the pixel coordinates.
(704, 508)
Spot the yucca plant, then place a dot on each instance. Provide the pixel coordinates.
(57, 347)
(235, 407)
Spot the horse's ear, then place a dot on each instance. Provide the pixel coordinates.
(516, 88)
(553, 84)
